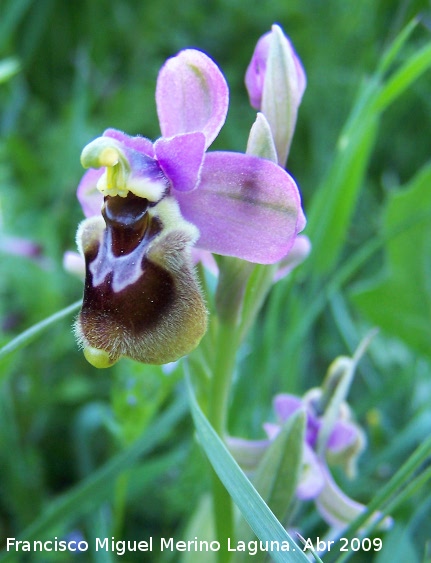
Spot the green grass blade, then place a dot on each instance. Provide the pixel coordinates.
(416, 65)
(31, 333)
(260, 518)
(396, 46)
(388, 492)
(333, 206)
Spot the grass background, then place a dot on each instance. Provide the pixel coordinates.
(86, 66)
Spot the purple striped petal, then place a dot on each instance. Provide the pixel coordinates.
(88, 195)
(181, 158)
(191, 95)
(245, 207)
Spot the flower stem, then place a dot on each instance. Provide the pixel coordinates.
(224, 366)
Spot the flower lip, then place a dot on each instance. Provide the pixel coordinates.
(141, 297)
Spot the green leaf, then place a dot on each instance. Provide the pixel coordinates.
(398, 545)
(200, 526)
(277, 475)
(260, 518)
(399, 299)
(391, 54)
(334, 203)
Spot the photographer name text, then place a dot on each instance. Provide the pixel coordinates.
(121, 547)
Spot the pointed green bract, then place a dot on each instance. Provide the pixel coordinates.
(277, 475)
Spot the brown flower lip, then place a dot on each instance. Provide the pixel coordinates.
(141, 296)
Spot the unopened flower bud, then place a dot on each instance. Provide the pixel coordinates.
(275, 80)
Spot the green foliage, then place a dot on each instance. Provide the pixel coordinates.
(399, 300)
(112, 454)
(260, 518)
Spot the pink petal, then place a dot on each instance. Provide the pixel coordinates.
(140, 144)
(285, 405)
(275, 81)
(20, 247)
(343, 435)
(244, 206)
(256, 71)
(181, 158)
(88, 195)
(191, 95)
(255, 74)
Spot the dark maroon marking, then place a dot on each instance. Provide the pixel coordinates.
(140, 305)
(129, 222)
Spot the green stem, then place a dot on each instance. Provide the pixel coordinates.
(240, 293)
(224, 366)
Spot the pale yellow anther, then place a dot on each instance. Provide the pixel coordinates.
(109, 156)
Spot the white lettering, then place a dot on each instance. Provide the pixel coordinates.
(102, 544)
(308, 545)
(166, 544)
(82, 546)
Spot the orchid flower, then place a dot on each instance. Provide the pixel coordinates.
(158, 199)
(345, 443)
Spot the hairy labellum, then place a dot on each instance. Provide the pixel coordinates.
(141, 296)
